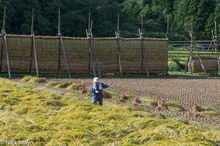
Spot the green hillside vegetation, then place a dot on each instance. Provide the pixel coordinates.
(45, 116)
(74, 17)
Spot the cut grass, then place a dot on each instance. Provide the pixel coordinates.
(208, 109)
(51, 119)
(62, 85)
(149, 102)
(51, 84)
(74, 86)
(174, 106)
(210, 112)
(26, 78)
(37, 80)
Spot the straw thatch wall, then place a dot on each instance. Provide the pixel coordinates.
(77, 52)
(209, 62)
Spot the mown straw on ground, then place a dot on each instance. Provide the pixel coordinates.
(51, 118)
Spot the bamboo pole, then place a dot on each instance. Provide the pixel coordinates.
(59, 48)
(191, 48)
(194, 47)
(216, 44)
(93, 46)
(117, 34)
(144, 60)
(168, 26)
(88, 34)
(2, 48)
(89, 61)
(62, 45)
(5, 42)
(34, 44)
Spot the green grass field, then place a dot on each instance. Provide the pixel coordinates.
(182, 56)
(43, 116)
(178, 59)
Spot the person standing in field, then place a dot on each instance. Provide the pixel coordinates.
(96, 90)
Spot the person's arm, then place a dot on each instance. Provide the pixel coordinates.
(104, 85)
(92, 90)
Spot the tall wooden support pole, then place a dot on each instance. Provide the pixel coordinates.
(34, 45)
(117, 35)
(168, 26)
(144, 60)
(89, 46)
(88, 34)
(59, 48)
(167, 36)
(216, 30)
(5, 42)
(62, 45)
(193, 46)
(216, 43)
(213, 43)
(1, 54)
(93, 46)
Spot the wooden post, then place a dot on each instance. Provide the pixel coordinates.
(167, 36)
(216, 43)
(5, 42)
(88, 34)
(144, 60)
(1, 54)
(168, 26)
(194, 47)
(216, 30)
(89, 61)
(34, 44)
(191, 48)
(62, 45)
(117, 35)
(93, 46)
(59, 52)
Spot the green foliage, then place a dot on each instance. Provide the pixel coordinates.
(104, 14)
(175, 65)
(50, 119)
